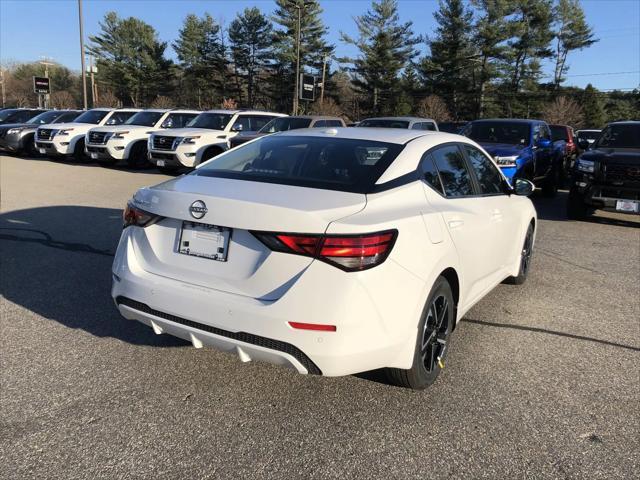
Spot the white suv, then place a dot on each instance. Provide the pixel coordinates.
(128, 141)
(67, 139)
(204, 137)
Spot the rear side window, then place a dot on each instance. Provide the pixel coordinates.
(424, 126)
(486, 172)
(320, 124)
(350, 165)
(118, 118)
(454, 175)
(252, 123)
(430, 173)
(333, 123)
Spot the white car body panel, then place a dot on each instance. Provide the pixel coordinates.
(258, 291)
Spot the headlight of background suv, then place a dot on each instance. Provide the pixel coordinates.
(588, 166)
(63, 132)
(189, 140)
(13, 131)
(119, 135)
(507, 161)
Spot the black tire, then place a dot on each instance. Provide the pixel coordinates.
(432, 342)
(138, 156)
(550, 185)
(576, 208)
(525, 259)
(78, 151)
(210, 153)
(29, 147)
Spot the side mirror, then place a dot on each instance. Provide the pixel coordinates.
(523, 187)
(544, 143)
(166, 124)
(583, 144)
(237, 128)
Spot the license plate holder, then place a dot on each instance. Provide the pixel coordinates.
(94, 155)
(628, 206)
(160, 163)
(42, 150)
(204, 241)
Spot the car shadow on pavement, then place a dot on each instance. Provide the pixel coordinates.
(554, 209)
(56, 262)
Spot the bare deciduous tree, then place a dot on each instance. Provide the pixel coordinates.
(435, 108)
(162, 102)
(564, 111)
(62, 99)
(229, 104)
(328, 107)
(107, 99)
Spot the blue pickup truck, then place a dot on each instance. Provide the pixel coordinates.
(521, 148)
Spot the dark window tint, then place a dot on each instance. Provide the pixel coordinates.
(333, 123)
(383, 123)
(487, 173)
(620, 136)
(512, 133)
(92, 116)
(118, 118)
(558, 132)
(329, 163)
(589, 135)
(178, 120)
(251, 123)
(424, 126)
(430, 173)
(67, 117)
(44, 118)
(453, 171)
(212, 121)
(281, 124)
(320, 124)
(144, 119)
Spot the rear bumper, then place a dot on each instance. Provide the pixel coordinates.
(368, 335)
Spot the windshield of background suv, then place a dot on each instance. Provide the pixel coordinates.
(558, 132)
(380, 123)
(588, 135)
(145, 119)
(67, 117)
(212, 121)
(6, 114)
(620, 136)
(499, 132)
(282, 124)
(349, 165)
(43, 118)
(92, 116)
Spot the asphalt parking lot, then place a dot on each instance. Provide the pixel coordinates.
(543, 380)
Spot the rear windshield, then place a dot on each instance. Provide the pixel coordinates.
(558, 133)
(92, 116)
(620, 136)
(213, 121)
(282, 124)
(588, 135)
(348, 165)
(381, 123)
(144, 119)
(499, 132)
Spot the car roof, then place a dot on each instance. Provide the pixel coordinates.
(408, 119)
(252, 112)
(389, 135)
(172, 110)
(590, 130)
(315, 117)
(510, 120)
(626, 122)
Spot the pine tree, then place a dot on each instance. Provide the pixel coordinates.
(202, 59)
(594, 116)
(250, 41)
(447, 70)
(131, 59)
(313, 46)
(386, 47)
(572, 33)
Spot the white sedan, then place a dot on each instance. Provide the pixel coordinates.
(331, 252)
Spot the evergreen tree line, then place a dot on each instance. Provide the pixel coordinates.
(484, 59)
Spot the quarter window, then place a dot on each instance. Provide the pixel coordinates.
(454, 175)
(430, 173)
(488, 176)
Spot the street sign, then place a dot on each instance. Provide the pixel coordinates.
(307, 87)
(41, 85)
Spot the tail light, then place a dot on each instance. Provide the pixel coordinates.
(133, 216)
(347, 252)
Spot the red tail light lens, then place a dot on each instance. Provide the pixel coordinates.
(347, 252)
(133, 216)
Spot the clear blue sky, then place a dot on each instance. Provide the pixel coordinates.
(30, 29)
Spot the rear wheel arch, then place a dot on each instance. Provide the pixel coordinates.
(454, 282)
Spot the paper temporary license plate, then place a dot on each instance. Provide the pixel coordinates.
(627, 206)
(160, 163)
(94, 155)
(206, 241)
(43, 150)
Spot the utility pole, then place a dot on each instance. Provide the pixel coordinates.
(297, 82)
(46, 96)
(94, 87)
(82, 60)
(4, 95)
(324, 67)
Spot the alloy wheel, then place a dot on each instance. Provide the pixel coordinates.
(435, 333)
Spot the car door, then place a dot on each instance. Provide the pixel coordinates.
(493, 193)
(467, 218)
(543, 156)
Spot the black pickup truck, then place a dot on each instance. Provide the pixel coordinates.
(607, 175)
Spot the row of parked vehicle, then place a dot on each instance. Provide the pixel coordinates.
(171, 139)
